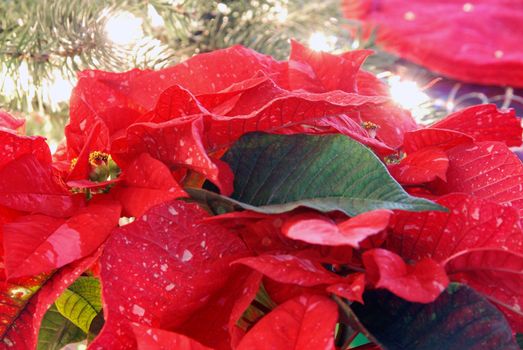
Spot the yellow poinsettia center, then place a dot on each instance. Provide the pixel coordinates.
(370, 127)
(73, 163)
(98, 158)
(103, 167)
(395, 158)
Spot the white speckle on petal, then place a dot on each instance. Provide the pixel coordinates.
(163, 267)
(138, 310)
(187, 255)
(172, 211)
(409, 16)
(169, 287)
(468, 7)
(438, 285)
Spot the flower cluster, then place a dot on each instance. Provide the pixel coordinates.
(238, 202)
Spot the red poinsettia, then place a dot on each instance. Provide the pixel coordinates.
(316, 240)
(449, 36)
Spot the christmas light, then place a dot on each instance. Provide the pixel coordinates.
(57, 89)
(280, 13)
(7, 83)
(409, 96)
(154, 17)
(124, 28)
(24, 77)
(321, 42)
(147, 49)
(406, 93)
(11, 82)
(223, 8)
(53, 145)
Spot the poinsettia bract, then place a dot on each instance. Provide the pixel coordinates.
(234, 201)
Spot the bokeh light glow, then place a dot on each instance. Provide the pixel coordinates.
(124, 28)
(321, 42)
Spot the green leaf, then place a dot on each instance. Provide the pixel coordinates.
(459, 319)
(277, 173)
(57, 331)
(519, 338)
(81, 302)
(359, 340)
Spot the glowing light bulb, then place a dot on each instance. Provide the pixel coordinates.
(407, 93)
(24, 78)
(321, 42)
(280, 13)
(409, 96)
(58, 88)
(155, 18)
(223, 8)
(11, 82)
(53, 145)
(7, 84)
(148, 49)
(124, 28)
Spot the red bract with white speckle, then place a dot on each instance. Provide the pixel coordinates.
(153, 338)
(462, 47)
(36, 244)
(162, 268)
(205, 235)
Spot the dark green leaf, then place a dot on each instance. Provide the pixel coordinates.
(459, 319)
(96, 326)
(277, 173)
(57, 331)
(81, 302)
(519, 338)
